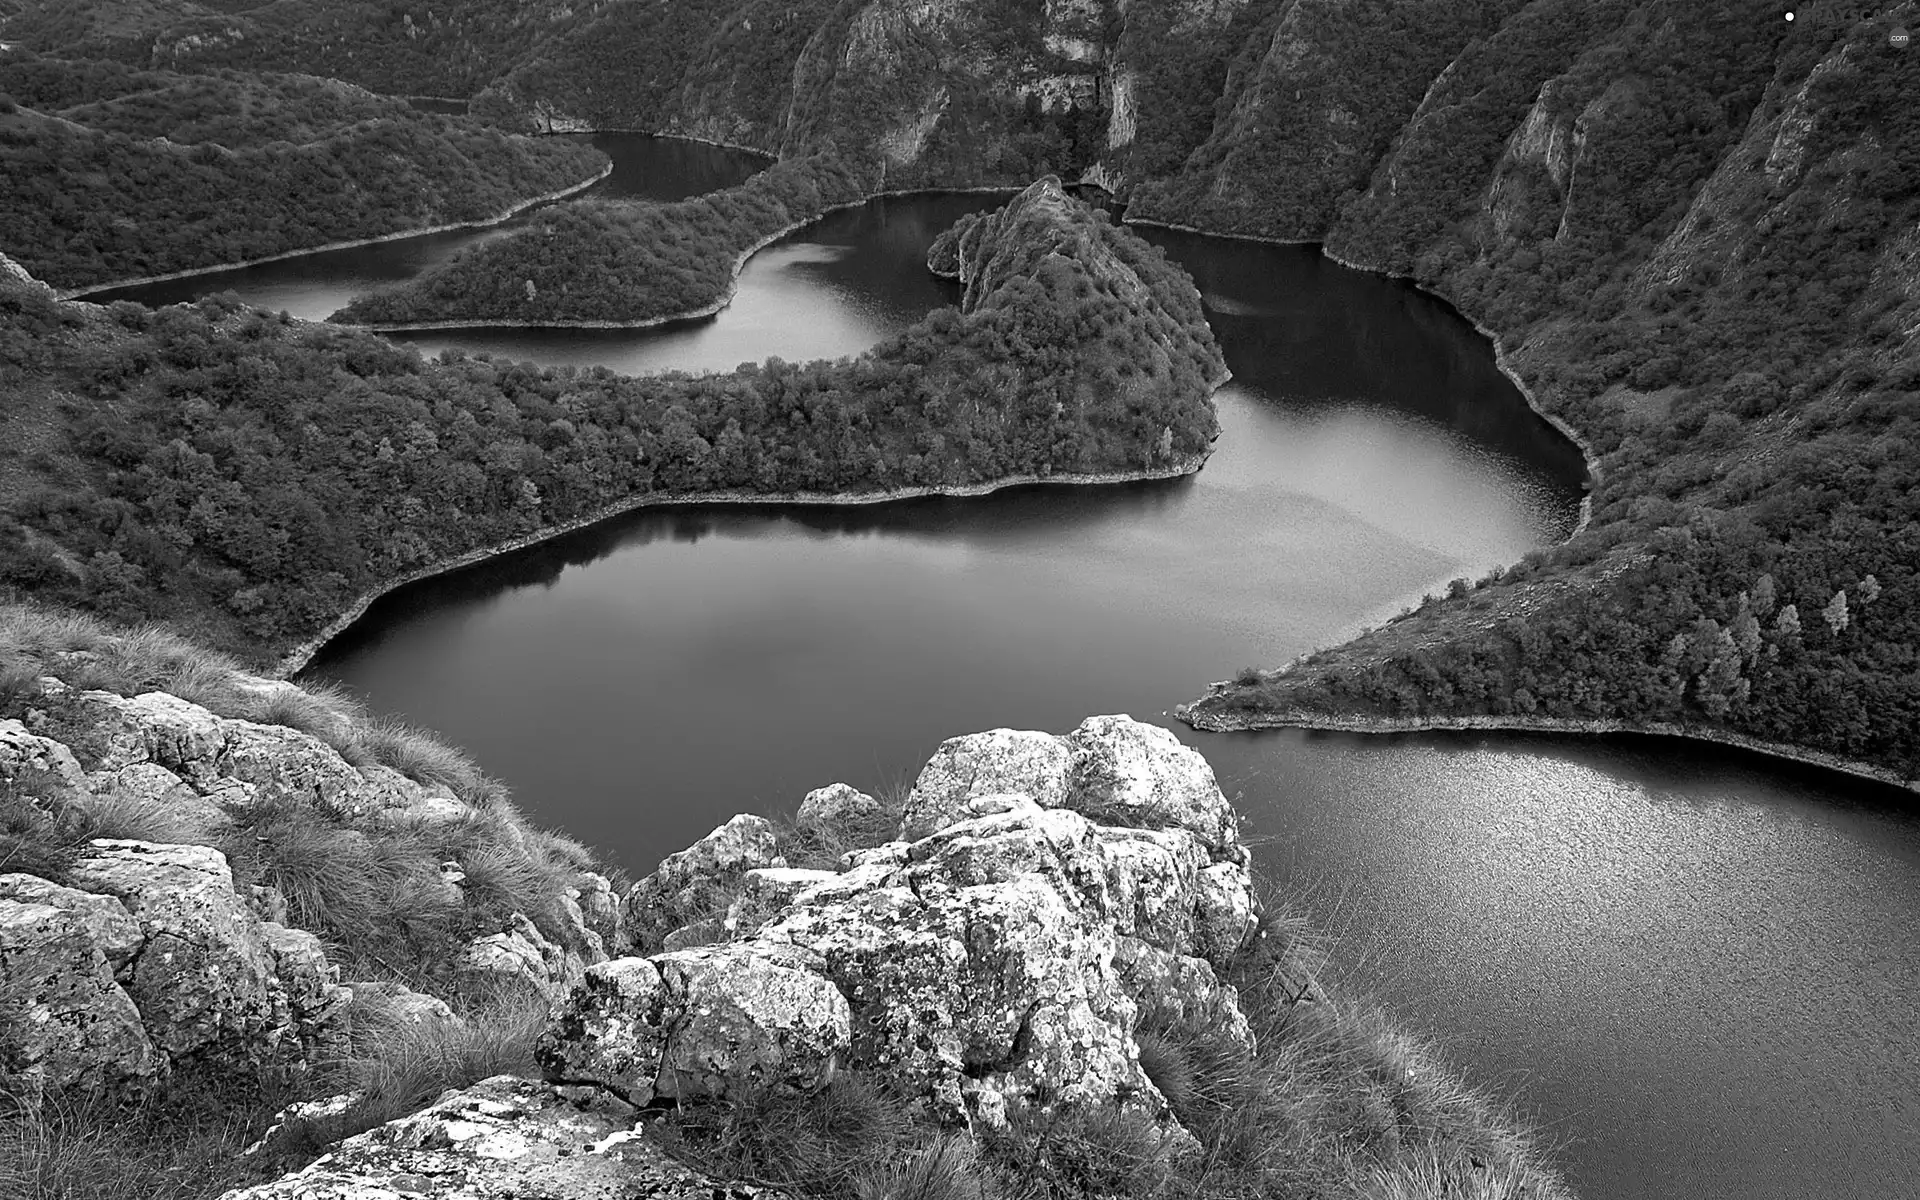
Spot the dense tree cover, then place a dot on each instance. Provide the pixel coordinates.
(937, 95)
(246, 477)
(1719, 286)
(110, 173)
(618, 260)
(1310, 102)
(401, 47)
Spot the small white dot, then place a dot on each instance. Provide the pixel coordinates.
(1789, 16)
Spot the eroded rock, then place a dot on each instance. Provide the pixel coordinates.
(65, 1023)
(699, 882)
(501, 1139)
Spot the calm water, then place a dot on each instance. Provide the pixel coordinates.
(315, 285)
(1696, 970)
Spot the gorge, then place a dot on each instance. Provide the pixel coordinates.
(1612, 190)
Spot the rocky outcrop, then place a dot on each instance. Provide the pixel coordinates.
(1043, 897)
(152, 959)
(164, 747)
(698, 883)
(502, 1139)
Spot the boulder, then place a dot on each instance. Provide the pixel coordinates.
(108, 924)
(394, 1004)
(1127, 772)
(707, 1023)
(211, 980)
(983, 764)
(502, 1139)
(517, 958)
(64, 1021)
(699, 882)
(842, 806)
(38, 767)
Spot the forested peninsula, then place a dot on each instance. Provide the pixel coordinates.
(1688, 227)
(251, 479)
(111, 173)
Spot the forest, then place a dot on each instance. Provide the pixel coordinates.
(617, 260)
(1722, 296)
(245, 477)
(109, 173)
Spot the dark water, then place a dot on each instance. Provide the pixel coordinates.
(314, 285)
(1696, 970)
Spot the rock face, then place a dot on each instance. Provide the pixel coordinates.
(1045, 897)
(692, 885)
(501, 1139)
(151, 960)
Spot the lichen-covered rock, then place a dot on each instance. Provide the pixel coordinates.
(839, 804)
(699, 882)
(1128, 772)
(203, 977)
(517, 958)
(64, 1021)
(40, 768)
(108, 924)
(502, 1139)
(994, 961)
(708, 1023)
(984, 764)
(207, 976)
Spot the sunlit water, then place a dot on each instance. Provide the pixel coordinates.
(1695, 970)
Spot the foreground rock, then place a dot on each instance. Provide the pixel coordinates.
(1044, 897)
(152, 960)
(501, 1139)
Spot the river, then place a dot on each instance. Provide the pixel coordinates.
(1694, 969)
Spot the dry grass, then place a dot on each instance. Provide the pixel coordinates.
(396, 1066)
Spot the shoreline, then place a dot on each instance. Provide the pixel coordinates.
(454, 324)
(1586, 727)
(82, 293)
(296, 659)
(1501, 360)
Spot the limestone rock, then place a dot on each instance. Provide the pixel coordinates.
(64, 1022)
(204, 976)
(108, 924)
(1128, 772)
(699, 1024)
(698, 882)
(501, 1139)
(516, 958)
(38, 767)
(842, 805)
(984, 764)
(600, 910)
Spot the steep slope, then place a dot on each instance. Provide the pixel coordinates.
(108, 173)
(1695, 242)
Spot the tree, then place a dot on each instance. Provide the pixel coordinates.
(1836, 612)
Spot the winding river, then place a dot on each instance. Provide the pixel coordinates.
(1695, 970)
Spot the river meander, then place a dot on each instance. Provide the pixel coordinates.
(1695, 969)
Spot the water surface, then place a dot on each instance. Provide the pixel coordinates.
(1696, 968)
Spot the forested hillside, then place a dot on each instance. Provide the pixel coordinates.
(618, 260)
(413, 47)
(246, 477)
(1696, 239)
(1688, 222)
(108, 172)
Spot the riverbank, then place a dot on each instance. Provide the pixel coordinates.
(294, 660)
(1501, 360)
(401, 235)
(691, 314)
(1219, 722)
